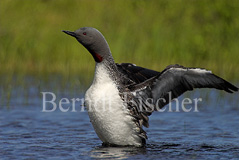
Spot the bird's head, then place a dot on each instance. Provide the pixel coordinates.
(93, 41)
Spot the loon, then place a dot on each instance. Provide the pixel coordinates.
(122, 96)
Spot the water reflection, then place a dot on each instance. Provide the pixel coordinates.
(116, 152)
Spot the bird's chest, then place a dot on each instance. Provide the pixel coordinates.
(101, 97)
(106, 111)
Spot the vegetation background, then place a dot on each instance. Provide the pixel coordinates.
(149, 33)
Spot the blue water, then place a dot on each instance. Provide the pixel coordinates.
(28, 133)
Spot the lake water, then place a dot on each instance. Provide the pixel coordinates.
(28, 133)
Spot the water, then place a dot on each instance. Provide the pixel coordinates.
(28, 133)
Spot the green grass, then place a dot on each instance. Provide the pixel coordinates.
(151, 34)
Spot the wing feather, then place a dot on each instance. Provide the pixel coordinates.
(174, 81)
(135, 73)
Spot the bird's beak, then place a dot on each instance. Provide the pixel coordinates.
(70, 33)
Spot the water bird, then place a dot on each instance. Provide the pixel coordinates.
(122, 96)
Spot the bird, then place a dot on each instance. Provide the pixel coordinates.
(122, 96)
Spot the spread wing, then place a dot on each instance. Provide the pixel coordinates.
(174, 81)
(154, 93)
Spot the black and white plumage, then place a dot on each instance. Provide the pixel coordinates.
(122, 96)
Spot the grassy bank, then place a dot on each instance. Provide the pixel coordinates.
(152, 34)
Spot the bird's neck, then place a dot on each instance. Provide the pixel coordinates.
(105, 64)
(101, 51)
(104, 72)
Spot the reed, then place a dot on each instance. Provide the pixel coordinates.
(151, 34)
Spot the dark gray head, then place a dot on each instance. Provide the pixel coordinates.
(93, 41)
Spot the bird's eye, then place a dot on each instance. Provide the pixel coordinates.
(84, 33)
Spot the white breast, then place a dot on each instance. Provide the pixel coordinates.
(107, 113)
